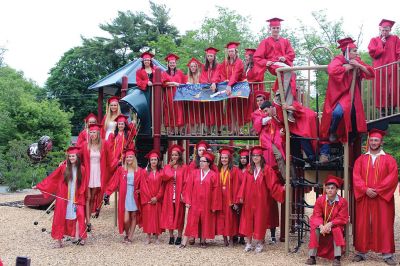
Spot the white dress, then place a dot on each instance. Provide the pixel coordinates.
(110, 128)
(95, 170)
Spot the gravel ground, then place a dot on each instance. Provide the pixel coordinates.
(19, 237)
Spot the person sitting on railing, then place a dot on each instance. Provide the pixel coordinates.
(252, 74)
(194, 116)
(330, 216)
(261, 97)
(375, 180)
(343, 112)
(172, 111)
(145, 75)
(231, 70)
(275, 52)
(213, 111)
(385, 49)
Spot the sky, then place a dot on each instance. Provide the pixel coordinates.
(37, 33)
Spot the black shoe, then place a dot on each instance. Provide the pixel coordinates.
(89, 227)
(241, 241)
(311, 261)
(178, 241)
(357, 258)
(171, 241)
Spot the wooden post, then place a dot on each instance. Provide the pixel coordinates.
(124, 87)
(346, 189)
(157, 110)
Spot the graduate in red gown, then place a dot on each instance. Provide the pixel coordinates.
(244, 161)
(329, 218)
(229, 184)
(341, 117)
(259, 183)
(151, 195)
(84, 134)
(375, 179)
(144, 75)
(203, 198)
(210, 74)
(173, 207)
(126, 180)
(95, 158)
(385, 49)
(275, 52)
(231, 71)
(200, 148)
(172, 111)
(195, 115)
(121, 139)
(68, 182)
(113, 109)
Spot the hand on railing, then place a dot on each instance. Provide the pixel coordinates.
(213, 87)
(228, 90)
(269, 63)
(149, 83)
(348, 67)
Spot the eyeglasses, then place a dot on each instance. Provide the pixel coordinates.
(203, 161)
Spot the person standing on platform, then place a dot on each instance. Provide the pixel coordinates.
(275, 52)
(385, 49)
(145, 76)
(329, 218)
(375, 180)
(194, 113)
(113, 110)
(84, 134)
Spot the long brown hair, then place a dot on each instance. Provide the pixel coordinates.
(68, 171)
(230, 163)
(253, 165)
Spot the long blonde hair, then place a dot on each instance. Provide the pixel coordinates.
(91, 144)
(194, 78)
(109, 117)
(134, 164)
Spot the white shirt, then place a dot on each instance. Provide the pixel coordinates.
(374, 156)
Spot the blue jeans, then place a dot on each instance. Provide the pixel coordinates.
(337, 116)
(309, 151)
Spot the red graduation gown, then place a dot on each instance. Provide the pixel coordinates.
(151, 186)
(55, 184)
(256, 215)
(82, 138)
(212, 110)
(173, 210)
(172, 111)
(117, 144)
(204, 197)
(383, 54)
(142, 79)
(227, 218)
(374, 228)
(253, 75)
(119, 181)
(339, 217)
(236, 107)
(338, 91)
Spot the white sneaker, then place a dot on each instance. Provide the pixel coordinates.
(248, 247)
(259, 248)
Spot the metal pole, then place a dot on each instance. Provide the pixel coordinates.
(346, 190)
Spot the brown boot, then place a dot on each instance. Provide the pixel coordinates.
(311, 261)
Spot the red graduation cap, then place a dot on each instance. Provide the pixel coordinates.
(386, 23)
(256, 150)
(91, 115)
(211, 50)
(250, 51)
(209, 156)
(274, 21)
(331, 179)
(194, 60)
(147, 55)
(203, 144)
(177, 148)
(113, 99)
(95, 127)
(171, 57)
(226, 151)
(263, 94)
(244, 152)
(231, 45)
(130, 152)
(153, 154)
(346, 42)
(121, 118)
(73, 150)
(376, 133)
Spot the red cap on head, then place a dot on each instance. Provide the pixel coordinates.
(244, 152)
(226, 151)
(203, 144)
(94, 127)
(153, 154)
(113, 99)
(274, 21)
(211, 50)
(231, 45)
(91, 115)
(209, 156)
(376, 133)
(121, 118)
(263, 94)
(195, 61)
(256, 150)
(250, 51)
(171, 57)
(73, 150)
(177, 148)
(346, 42)
(130, 152)
(331, 179)
(147, 55)
(386, 23)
